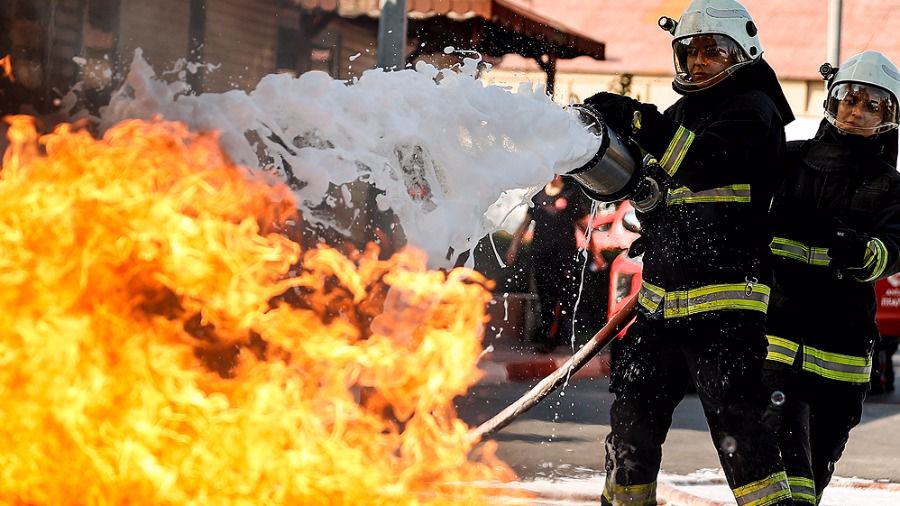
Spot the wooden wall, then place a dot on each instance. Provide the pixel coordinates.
(241, 37)
(159, 27)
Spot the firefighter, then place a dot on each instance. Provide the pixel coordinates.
(707, 271)
(836, 222)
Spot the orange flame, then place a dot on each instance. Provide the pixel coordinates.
(6, 66)
(134, 263)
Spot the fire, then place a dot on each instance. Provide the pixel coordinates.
(137, 265)
(6, 66)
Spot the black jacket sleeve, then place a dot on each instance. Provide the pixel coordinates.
(885, 233)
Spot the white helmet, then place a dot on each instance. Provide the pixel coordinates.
(716, 29)
(862, 94)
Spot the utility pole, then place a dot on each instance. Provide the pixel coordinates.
(834, 32)
(391, 51)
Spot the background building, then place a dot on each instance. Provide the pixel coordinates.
(56, 43)
(639, 58)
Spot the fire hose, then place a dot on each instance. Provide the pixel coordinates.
(546, 386)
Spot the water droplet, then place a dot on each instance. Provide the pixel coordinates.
(728, 445)
(778, 398)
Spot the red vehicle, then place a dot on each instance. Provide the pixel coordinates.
(887, 316)
(615, 231)
(625, 279)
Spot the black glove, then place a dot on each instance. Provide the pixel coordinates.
(637, 248)
(617, 110)
(653, 132)
(849, 249)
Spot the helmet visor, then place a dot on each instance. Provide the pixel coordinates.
(703, 60)
(861, 109)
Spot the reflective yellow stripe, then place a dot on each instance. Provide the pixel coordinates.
(802, 489)
(732, 193)
(674, 154)
(650, 296)
(768, 490)
(836, 366)
(877, 257)
(782, 350)
(800, 252)
(748, 296)
(637, 495)
(715, 297)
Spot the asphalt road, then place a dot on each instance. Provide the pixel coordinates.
(563, 436)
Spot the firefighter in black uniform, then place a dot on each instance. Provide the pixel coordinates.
(836, 222)
(706, 277)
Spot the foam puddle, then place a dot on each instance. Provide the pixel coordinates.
(442, 146)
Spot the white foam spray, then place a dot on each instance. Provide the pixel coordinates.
(442, 145)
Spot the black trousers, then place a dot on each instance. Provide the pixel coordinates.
(722, 353)
(813, 425)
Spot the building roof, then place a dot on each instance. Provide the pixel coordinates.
(515, 17)
(793, 33)
(416, 8)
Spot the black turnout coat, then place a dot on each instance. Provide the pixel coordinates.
(833, 181)
(719, 149)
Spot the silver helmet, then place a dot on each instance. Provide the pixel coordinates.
(712, 40)
(862, 94)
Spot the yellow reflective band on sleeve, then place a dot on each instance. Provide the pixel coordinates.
(782, 350)
(803, 490)
(674, 154)
(747, 296)
(836, 366)
(733, 193)
(630, 495)
(800, 252)
(876, 259)
(768, 490)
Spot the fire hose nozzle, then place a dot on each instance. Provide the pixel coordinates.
(613, 173)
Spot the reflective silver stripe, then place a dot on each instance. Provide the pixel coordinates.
(679, 303)
(674, 154)
(837, 366)
(798, 251)
(764, 492)
(802, 489)
(781, 350)
(733, 193)
(715, 297)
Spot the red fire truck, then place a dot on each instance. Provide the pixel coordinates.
(625, 279)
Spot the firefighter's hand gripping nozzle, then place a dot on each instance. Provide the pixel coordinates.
(614, 173)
